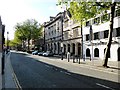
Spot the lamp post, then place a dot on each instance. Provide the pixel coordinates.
(61, 51)
(7, 42)
(91, 39)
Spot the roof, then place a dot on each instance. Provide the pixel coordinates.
(54, 19)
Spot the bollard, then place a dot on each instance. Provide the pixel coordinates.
(76, 58)
(90, 57)
(68, 56)
(73, 58)
(79, 59)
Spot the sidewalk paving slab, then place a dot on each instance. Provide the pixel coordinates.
(9, 78)
(0, 71)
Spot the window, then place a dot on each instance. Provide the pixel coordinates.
(49, 33)
(96, 20)
(55, 31)
(106, 33)
(101, 34)
(96, 52)
(117, 13)
(114, 33)
(87, 37)
(66, 24)
(87, 52)
(88, 23)
(96, 35)
(52, 32)
(75, 32)
(118, 31)
(66, 35)
(57, 27)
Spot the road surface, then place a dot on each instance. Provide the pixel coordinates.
(32, 73)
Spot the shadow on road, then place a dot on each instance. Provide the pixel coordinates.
(88, 80)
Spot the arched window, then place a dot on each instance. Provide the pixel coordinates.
(96, 52)
(87, 52)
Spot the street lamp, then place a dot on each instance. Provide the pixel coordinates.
(91, 39)
(7, 42)
(61, 51)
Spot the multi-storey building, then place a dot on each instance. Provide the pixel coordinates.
(53, 33)
(100, 29)
(71, 35)
(2, 30)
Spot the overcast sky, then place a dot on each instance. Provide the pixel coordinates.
(13, 11)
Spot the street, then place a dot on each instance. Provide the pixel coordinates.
(32, 73)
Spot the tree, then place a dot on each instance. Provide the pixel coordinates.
(82, 11)
(27, 30)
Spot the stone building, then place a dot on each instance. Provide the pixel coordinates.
(71, 35)
(53, 33)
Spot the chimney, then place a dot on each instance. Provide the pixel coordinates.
(51, 18)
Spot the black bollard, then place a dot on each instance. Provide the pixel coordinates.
(73, 58)
(79, 59)
(90, 57)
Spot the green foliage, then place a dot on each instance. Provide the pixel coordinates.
(29, 29)
(82, 11)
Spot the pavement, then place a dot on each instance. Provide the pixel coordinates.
(10, 79)
(114, 66)
(0, 71)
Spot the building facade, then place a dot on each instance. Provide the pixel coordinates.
(71, 35)
(53, 33)
(2, 30)
(95, 37)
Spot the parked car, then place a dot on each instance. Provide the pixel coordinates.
(35, 52)
(40, 53)
(48, 53)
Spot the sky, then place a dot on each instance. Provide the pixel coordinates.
(15, 11)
